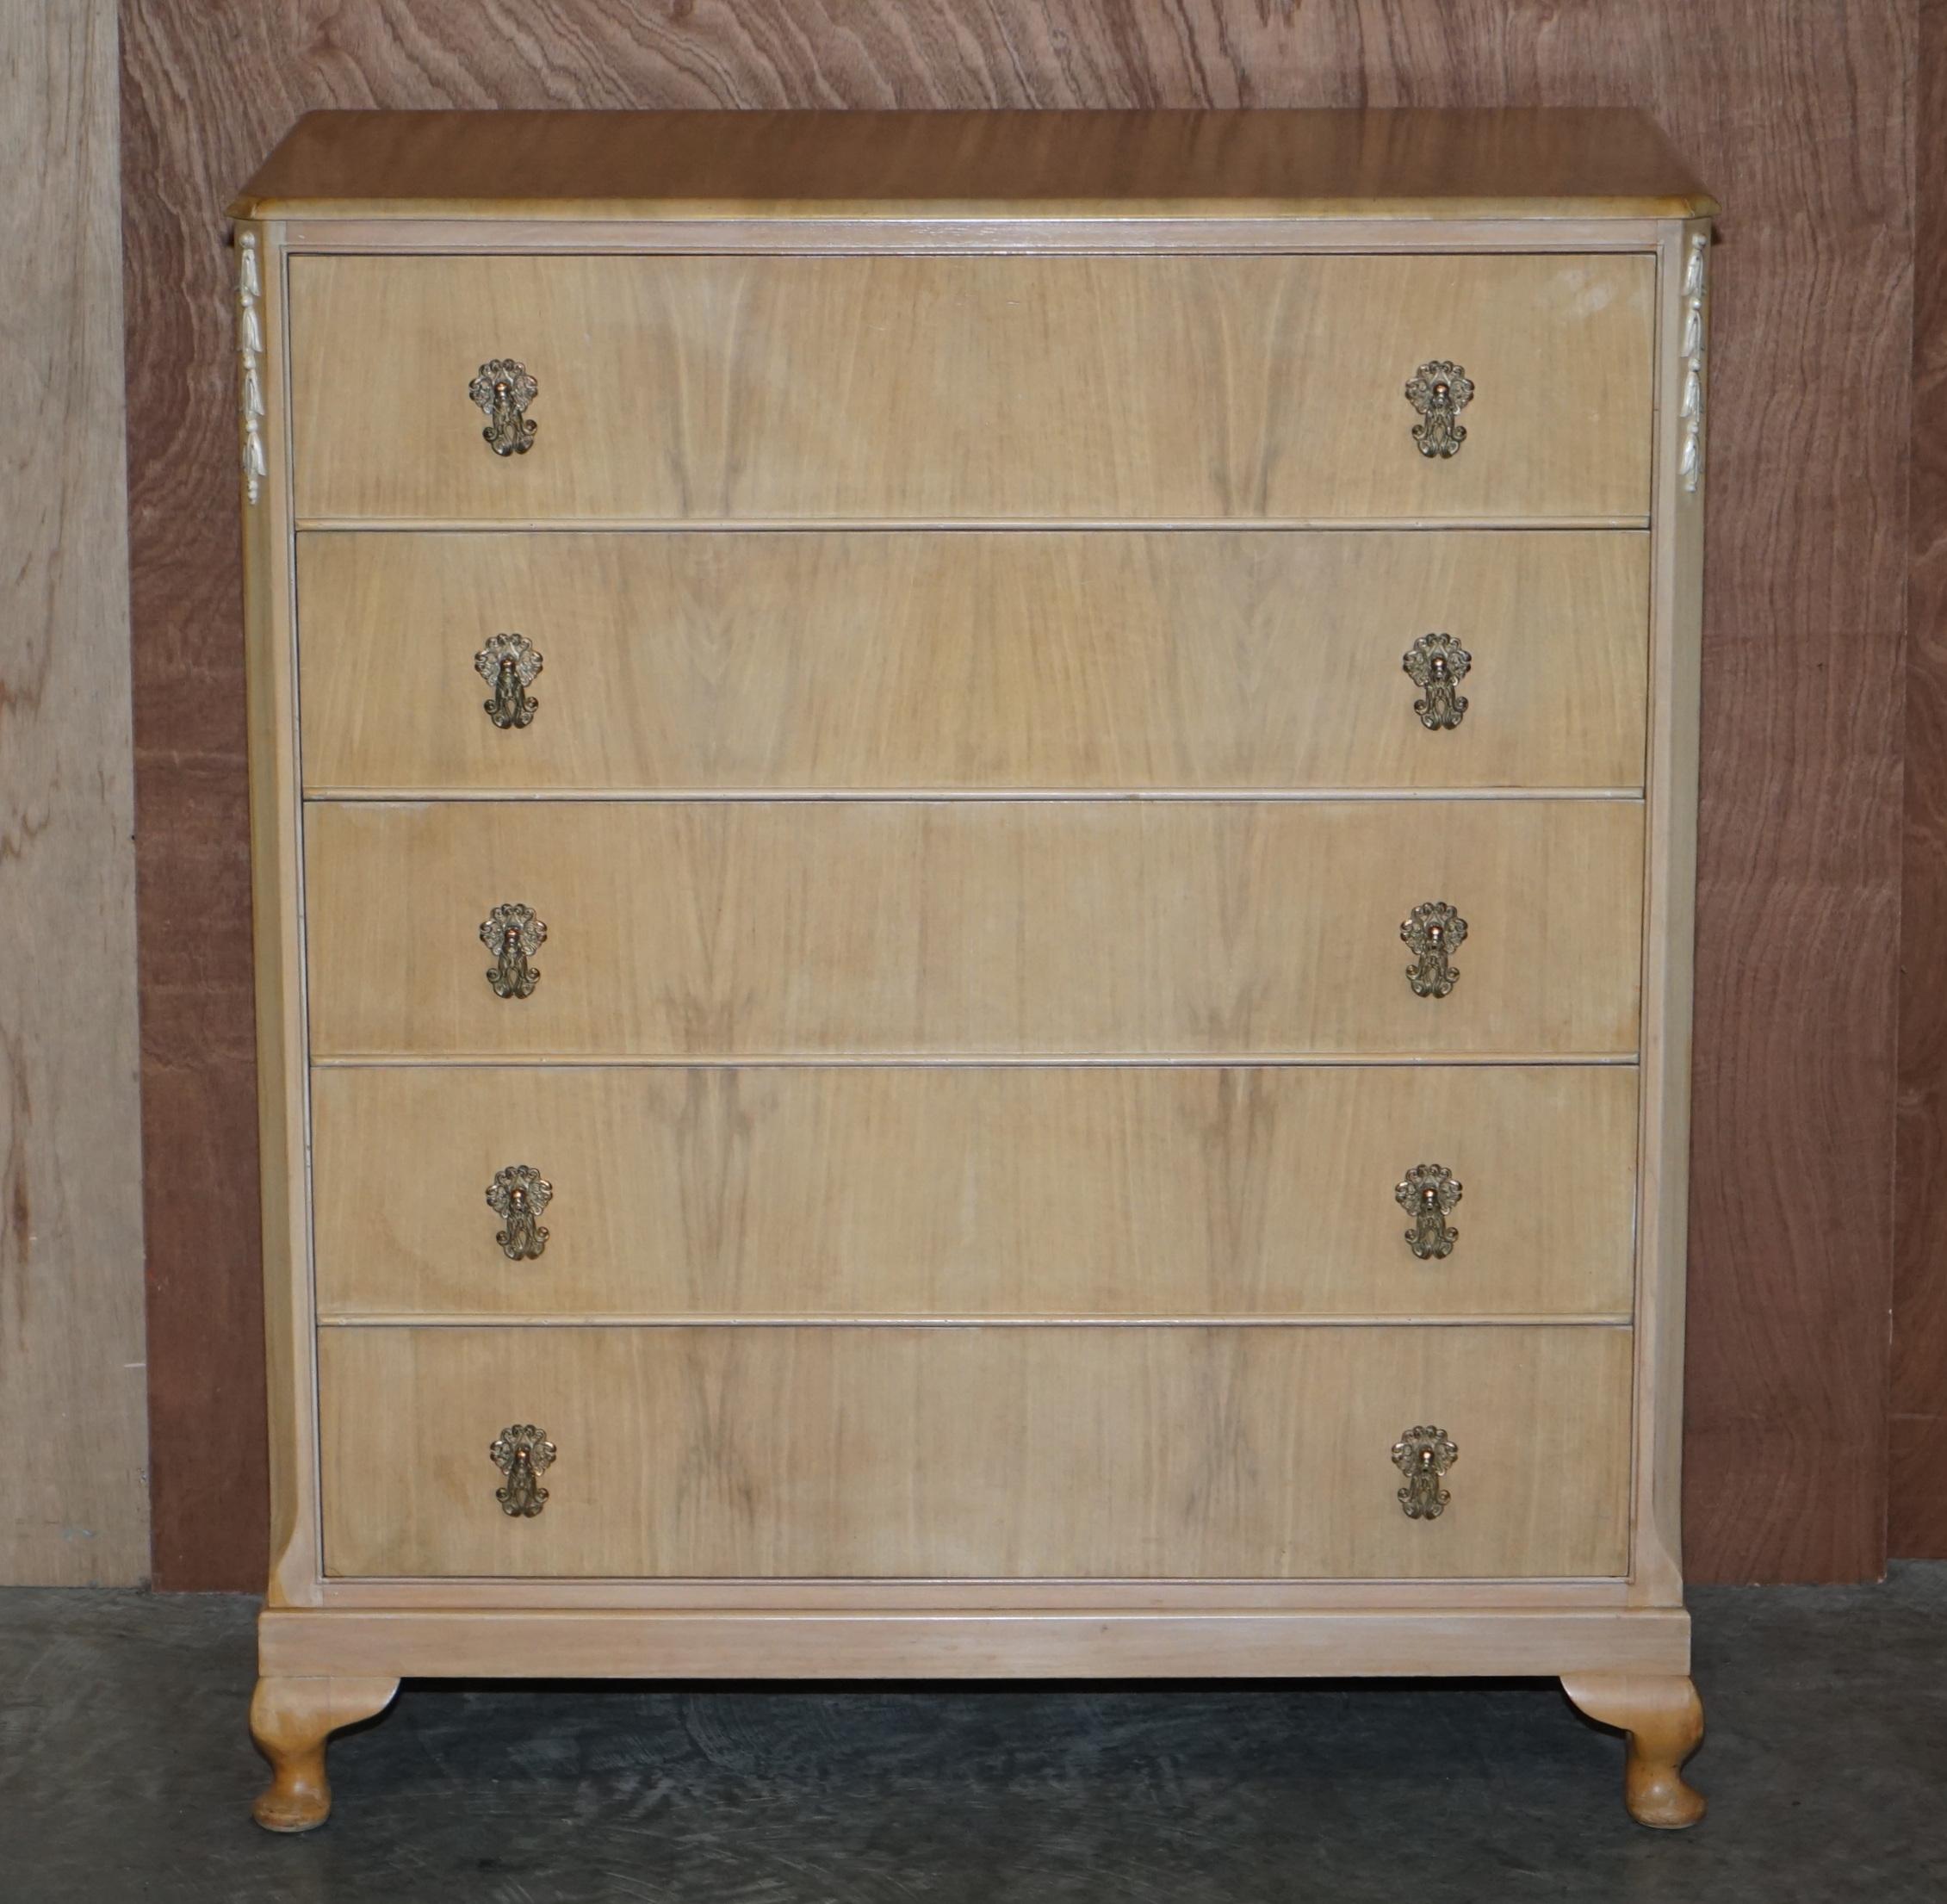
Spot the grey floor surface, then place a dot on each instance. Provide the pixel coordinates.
(125, 1774)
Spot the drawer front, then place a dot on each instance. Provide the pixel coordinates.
(1012, 1453)
(905, 660)
(749, 929)
(1023, 1191)
(912, 388)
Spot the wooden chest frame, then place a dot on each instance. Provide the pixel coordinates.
(333, 1651)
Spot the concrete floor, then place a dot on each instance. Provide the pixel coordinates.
(126, 1775)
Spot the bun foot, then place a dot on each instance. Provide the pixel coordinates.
(291, 1719)
(1663, 1718)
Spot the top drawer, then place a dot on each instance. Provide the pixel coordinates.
(989, 388)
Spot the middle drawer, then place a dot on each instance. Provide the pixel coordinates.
(927, 1191)
(741, 929)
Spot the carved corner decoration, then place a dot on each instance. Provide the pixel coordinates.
(508, 665)
(1424, 1456)
(1439, 391)
(513, 936)
(1437, 664)
(1430, 931)
(250, 363)
(518, 1195)
(1689, 461)
(503, 388)
(523, 1455)
(1428, 1193)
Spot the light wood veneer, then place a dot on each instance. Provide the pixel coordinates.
(1193, 166)
(944, 389)
(1025, 1191)
(973, 804)
(976, 1453)
(753, 929)
(860, 660)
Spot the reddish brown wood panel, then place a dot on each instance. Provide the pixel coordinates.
(1917, 1516)
(1797, 116)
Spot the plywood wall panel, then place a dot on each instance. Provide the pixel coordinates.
(1917, 1493)
(74, 1508)
(1799, 117)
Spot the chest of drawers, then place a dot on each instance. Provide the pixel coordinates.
(926, 789)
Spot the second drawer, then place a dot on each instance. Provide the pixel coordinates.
(916, 661)
(966, 1192)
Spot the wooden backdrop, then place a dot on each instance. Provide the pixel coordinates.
(73, 1504)
(1916, 1498)
(1798, 115)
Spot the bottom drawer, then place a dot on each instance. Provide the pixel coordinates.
(1015, 1452)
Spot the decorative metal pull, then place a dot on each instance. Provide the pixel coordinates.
(1427, 1194)
(1430, 932)
(508, 665)
(523, 1454)
(1439, 391)
(1423, 1455)
(518, 1195)
(504, 389)
(513, 936)
(1438, 664)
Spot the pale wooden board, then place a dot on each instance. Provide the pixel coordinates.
(970, 389)
(953, 1191)
(73, 1387)
(283, 1127)
(1092, 1452)
(1028, 661)
(716, 1595)
(1559, 163)
(1670, 915)
(754, 929)
(1466, 1639)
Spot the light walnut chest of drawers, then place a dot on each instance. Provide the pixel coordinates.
(925, 789)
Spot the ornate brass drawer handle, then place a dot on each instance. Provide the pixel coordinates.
(513, 936)
(1438, 664)
(1439, 391)
(518, 1195)
(523, 1455)
(1427, 1193)
(503, 389)
(1430, 931)
(508, 665)
(1423, 1455)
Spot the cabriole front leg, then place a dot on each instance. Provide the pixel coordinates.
(1663, 1718)
(291, 1719)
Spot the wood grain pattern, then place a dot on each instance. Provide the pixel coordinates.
(946, 389)
(1663, 1718)
(1801, 119)
(283, 1123)
(926, 1192)
(690, 165)
(1917, 1492)
(1464, 1639)
(71, 1389)
(1380, 1601)
(1669, 919)
(991, 928)
(291, 1719)
(772, 1451)
(1024, 660)
(1798, 893)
